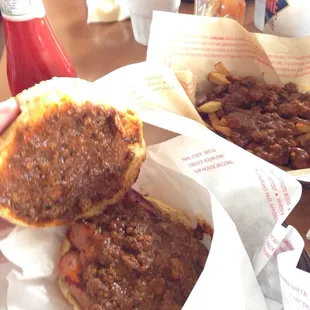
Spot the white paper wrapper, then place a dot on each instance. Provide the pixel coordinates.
(193, 169)
(197, 43)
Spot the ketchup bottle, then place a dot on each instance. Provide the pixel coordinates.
(33, 52)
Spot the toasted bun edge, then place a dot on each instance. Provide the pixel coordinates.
(33, 103)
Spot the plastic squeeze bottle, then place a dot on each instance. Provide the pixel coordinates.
(33, 52)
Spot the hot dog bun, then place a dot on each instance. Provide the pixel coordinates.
(60, 156)
(65, 291)
(175, 216)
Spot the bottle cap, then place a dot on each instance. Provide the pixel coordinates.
(21, 10)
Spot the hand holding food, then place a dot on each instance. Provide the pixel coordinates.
(69, 158)
(67, 155)
(8, 112)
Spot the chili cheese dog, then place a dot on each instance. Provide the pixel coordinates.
(139, 254)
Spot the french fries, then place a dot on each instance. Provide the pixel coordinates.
(224, 122)
(226, 131)
(217, 125)
(214, 120)
(217, 78)
(303, 128)
(303, 138)
(210, 107)
(208, 126)
(220, 68)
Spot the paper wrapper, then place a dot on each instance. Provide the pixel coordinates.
(252, 260)
(198, 43)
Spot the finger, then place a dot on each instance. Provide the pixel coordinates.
(8, 112)
(5, 228)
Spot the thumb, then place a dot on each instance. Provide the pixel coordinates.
(8, 112)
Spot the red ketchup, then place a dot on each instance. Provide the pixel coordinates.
(33, 51)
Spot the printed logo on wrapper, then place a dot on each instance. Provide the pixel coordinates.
(294, 296)
(273, 7)
(22, 10)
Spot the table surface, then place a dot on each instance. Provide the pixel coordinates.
(98, 49)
